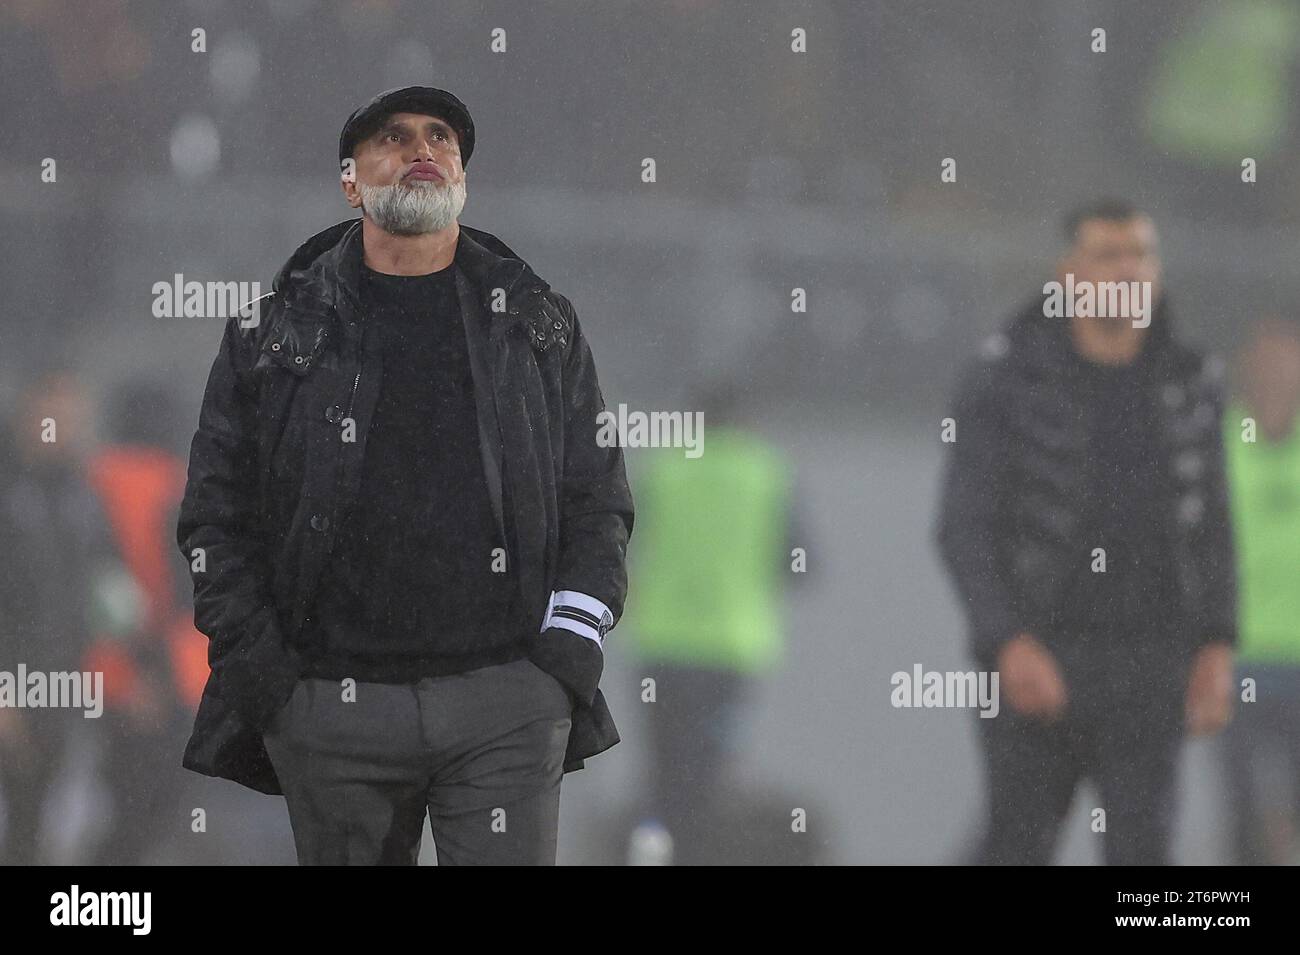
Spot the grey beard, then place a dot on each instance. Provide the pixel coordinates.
(416, 208)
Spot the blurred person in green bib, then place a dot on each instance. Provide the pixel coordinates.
(720, 543)
(1262, 437)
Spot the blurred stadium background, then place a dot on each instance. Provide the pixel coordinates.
(775, 171)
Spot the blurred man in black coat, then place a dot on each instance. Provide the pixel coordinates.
(1085, 524)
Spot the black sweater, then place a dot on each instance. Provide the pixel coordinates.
(410, 589)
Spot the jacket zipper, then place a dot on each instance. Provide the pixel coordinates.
(353, 397)
(361, 353)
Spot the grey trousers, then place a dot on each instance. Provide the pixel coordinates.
(481, 752)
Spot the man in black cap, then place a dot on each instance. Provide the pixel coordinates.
(408, 544)
(421, 201)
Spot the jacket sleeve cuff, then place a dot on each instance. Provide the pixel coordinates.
(260, 674)
(570, 644)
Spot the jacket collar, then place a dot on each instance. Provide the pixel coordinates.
(325, 272)
(1044, 343)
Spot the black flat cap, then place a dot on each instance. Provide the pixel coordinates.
(409, 99)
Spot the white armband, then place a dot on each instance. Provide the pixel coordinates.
(583, 614)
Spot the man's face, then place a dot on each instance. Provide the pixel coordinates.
(1124, 251)
(408, 175)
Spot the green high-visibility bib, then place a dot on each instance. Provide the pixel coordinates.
(1264, 485)
(708, 566)
(1221, 88)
